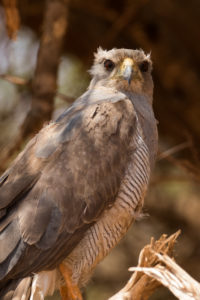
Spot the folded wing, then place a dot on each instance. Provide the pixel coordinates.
(60, 184)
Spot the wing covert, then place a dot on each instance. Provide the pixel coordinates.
(77, 178)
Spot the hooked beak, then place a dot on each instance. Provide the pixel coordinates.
(127, 69)
(127, 74)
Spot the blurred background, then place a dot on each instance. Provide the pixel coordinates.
(46, 48)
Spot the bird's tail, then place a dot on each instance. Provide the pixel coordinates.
(17, 289)
(31, 288)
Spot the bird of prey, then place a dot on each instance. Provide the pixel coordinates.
(79, 184)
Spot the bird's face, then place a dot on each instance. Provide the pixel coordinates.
(124, 70)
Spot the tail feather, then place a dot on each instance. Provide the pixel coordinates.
(31, 288)
(17, 289)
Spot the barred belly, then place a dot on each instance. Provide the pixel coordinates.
(114, 223)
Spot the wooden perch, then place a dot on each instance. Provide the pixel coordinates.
(141, 286)
(167, 272)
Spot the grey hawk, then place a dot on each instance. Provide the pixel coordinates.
(79, 184)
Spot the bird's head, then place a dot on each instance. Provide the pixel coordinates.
(124, 70)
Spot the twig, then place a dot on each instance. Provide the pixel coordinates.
(173, 150)
(14, 79)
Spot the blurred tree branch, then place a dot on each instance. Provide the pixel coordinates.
(44, 83)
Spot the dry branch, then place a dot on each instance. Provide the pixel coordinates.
(167, 272)
(141, 286)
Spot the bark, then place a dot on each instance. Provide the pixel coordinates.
(45, 80)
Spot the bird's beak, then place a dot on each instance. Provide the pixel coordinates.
(127, 69)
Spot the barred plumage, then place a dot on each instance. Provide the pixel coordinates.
(106, 234)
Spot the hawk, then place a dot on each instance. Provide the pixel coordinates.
(79, 184)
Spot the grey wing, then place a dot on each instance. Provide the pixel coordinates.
(72, 172)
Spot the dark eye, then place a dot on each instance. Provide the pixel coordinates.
(109, 65)
(144, 66)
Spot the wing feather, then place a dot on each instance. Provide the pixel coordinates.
(72, 171)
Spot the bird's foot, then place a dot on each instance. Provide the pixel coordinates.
(70, 291)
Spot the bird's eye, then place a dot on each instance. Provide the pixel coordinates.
(144, 66)
(109, 65)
